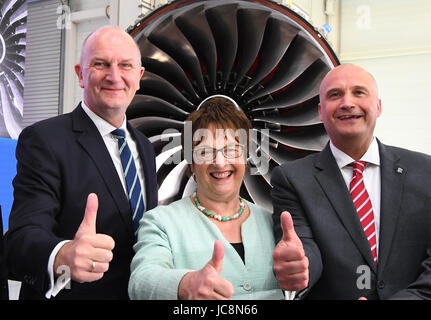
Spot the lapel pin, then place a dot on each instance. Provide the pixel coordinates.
(400, 170)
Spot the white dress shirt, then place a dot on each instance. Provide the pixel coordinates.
(105, 129)
(372, 176)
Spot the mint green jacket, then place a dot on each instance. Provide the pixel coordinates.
(178, 238)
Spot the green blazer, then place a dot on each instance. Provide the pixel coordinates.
(178, 238)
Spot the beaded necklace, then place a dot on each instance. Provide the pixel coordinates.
(216, 216)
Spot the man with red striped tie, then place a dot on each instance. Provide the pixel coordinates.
(358, 220)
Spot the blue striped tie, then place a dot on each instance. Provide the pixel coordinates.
(132, 179)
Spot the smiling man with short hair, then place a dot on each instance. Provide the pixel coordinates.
(74, 217)
(361, 209)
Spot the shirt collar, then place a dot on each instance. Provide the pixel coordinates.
(101, 124)
(372, 155)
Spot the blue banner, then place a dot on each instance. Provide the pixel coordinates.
(7, 173)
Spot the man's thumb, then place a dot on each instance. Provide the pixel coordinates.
(88, 224)
(289, 233)
(217, 258)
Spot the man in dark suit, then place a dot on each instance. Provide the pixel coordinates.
(330, 247)
(71, 217)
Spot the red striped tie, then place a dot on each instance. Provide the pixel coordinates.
(363, 205)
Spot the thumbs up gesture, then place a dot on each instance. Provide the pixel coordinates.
(290, 262)
(89, 253)
(206, 284)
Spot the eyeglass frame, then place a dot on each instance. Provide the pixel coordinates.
(215, 152)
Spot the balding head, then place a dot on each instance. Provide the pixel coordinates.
(104, 33)
(347, 70)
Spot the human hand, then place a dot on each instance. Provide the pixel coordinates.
(206, 284)
(88, 254)
(290, 262)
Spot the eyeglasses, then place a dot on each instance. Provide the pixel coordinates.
(232, 151)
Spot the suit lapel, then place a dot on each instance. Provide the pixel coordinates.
(392, 177)
(90, 139)
(330, 179)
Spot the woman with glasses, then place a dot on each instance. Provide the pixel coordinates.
(213, 244)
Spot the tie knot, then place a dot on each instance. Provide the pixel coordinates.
(358, 166)
(119, 133)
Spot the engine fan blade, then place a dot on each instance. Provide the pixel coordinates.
(223, 23)
(152, 126)
(173, 183)
(154, 85)
(251, 28)
(160, 63)
(172, 41)
(152, 106)
(303, 88)
(281, 153)
(313, 139)
(278, 35)
(298, 57)
(305, 114)
(195, 27)
(258, 190)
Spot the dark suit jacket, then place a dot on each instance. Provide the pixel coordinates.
(312, 189)
(60, 161)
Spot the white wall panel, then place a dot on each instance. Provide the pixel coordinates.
(379, 28)
(391, 39)
(406, 111)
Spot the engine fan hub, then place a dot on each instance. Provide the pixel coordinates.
(219, 96)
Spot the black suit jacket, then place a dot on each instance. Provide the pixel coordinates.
(60, 161)
(325, 219)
